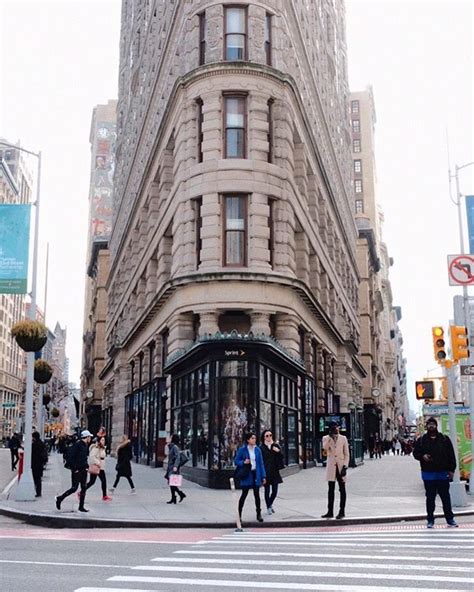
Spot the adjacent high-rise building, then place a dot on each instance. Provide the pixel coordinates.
(95, 410)
(15, 188)
(384, 386)
(233, 291)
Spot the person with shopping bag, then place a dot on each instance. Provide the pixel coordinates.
(176, 459)
(97, 454)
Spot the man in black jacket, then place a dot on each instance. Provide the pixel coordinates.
(39, 457)
(438, 463)
(78, 464)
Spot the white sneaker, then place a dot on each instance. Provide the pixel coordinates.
(273, 511)
(112, 489)
(269, 511)
(133, 491)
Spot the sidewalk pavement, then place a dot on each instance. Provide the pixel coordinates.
(383, 490)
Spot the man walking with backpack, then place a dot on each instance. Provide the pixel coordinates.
(438, 463)
(78, 464)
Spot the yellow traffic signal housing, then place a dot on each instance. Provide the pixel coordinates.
(459, 342)
(439, 345)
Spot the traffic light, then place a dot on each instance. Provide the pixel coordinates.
(424, 389)
(439, 345)
(459, 342)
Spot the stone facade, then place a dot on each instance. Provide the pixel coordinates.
(384, 387)
(297, 279)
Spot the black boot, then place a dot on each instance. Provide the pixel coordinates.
(172, 501)
(181, 496)
(340, 515)
(259, 516)
(328, 515)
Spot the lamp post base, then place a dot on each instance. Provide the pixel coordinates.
(457, 491)
(25, 490)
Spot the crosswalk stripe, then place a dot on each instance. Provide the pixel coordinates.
(331, 556)
(383, 566)
(266, 585)
(288, 572)
(420, 538)
(333, 544)
(447, 533)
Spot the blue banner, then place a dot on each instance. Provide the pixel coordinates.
(14, 248)
(470, 221)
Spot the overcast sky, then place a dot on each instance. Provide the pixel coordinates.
(59, 59)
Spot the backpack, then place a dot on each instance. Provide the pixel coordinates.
(68, 457)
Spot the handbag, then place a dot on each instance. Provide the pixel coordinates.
(183, 458)
(176, 480)
(242, 472)
(94, 469)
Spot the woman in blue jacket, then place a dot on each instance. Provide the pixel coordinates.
(250, 472)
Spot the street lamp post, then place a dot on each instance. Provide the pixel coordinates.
(467, 322)
(25, 490)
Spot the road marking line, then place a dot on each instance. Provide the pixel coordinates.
(286, 572)
(333, 543)
(331, 556)
(63, 563)
(384, 565)
(88, 541)
(269, 585)
(9, 486)
(421, 537)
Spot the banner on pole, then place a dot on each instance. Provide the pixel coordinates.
(14, 248)
(470, 221)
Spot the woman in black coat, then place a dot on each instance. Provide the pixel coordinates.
(124, 466)
(273, 461)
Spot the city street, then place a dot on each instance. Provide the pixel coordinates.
(371, 559)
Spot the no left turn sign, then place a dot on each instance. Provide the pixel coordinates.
(461, 270)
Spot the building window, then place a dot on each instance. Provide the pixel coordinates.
(164, 349)
(270, 130)
(302, 339)
(268, 39)
(356, 145)
(356, 126)
(235, 124)
(202, 38)
(271, 226)
(235, 230)
(354, 106)
(358, 185)
(235, 33)
(200, 137)
(198, 229)
(359, 209)
(357, 166)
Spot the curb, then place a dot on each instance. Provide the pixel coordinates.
(64, 521)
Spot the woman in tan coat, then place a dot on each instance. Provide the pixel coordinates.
(337, 450)
(97, 456)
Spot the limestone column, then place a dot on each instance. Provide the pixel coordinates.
(260, 323)
(208, 323)
(287, 333)
(180, 331)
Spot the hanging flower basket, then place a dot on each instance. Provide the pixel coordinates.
(43, 372)
(30, 335)
(46, 399)
(54, 412)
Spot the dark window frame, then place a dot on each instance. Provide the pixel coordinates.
(197, 205)
(268, 42)
(359, 210)
(202, 38)
(359, 161)
(271, 225)
(241, 97)
(270, 137)
(356, 126)
(245, 34)
(355, 106)
(224, 197)
(358, 186)
(356, 142)
(200, 134)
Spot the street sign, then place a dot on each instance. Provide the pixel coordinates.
(9, 405)
(467, 373)
(424, 389)
(461, 270)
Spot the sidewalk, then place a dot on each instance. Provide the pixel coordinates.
(384, 490)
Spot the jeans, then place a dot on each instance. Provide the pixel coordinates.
(103, 482)
(342, 494)
(14, 457)
(256, 494)
(129, 479)
(432, 488)
(77, 478)
(270, 497)
(37, 475)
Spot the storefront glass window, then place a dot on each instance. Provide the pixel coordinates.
(202, 433)
(235, 416)
(265, 416)
(187, 423)
(292, 439)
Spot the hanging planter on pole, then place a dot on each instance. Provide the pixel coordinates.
(30, 335)
(46, 399)
(43, 372)
(54, 412)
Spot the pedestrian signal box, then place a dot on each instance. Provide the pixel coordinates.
(424, 389)
(459, 342)
(439, 345)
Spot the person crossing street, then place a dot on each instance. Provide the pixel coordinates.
(78, 465)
